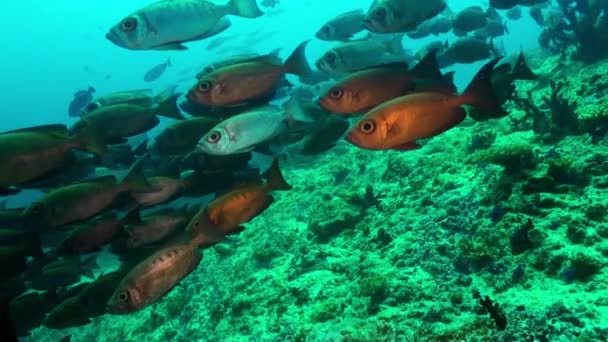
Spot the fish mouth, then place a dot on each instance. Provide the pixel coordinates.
(111, 36)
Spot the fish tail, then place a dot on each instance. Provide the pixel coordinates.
(168, 108)
(245, 8)
(296, 63)
(92, 139)
(136, 180)
(276, 181)
(521, 70)
(480, 93)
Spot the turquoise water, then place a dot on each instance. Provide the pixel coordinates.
(368, 245)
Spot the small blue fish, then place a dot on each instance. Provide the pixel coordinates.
(81, 99)
(157, 71)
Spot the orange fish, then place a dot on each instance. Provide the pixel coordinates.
(365, 89)
(224, 215)
(399, 123)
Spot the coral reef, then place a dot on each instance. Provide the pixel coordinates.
(393, 246)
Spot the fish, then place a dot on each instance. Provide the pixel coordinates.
(325, 136)
(469, 50)
(470, 19)
(342, 27)
(153, 228)
(514, 13)
(248, 81)
(182, 136)
(80, 100)
(493, 29)
(142, 97)
(399, 123)
(120, 121)
(157, 71)
(27, 312)
(25, 243)
(91, 236)
(88, 303)
(438, 25)
(230, 60)
(363, 90)
(61, 273)
(32, 153)
(154, 277)
(79, 166)
(163, 189)
(83, 200)
(225, 215)
(168, 24)
(503, 77)
(243, 132)
(508, 4)
(360, 54)
(392, 16)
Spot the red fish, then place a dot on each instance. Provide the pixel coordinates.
(399, 123)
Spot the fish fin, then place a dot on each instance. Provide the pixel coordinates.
(136, 179)
(9, 191)
(276, 181)
(480, 93)
(409, 146)
(449, 76)
(521, 70)
(297, 63)
(60, 130)
(238, 229)
(168, 108)
(92, 140)
(428, 68)
(168, 62)
(132, 217)
(245, 8)
(141, 148)
(171, 46)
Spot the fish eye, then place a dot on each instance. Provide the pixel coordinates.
(204, 86)
(123, 296)
(92, 106)
(214, 137)
(208, 70)
(128, 25)
(331, 57)
(367, 126)
(380, 13)
(336, 93)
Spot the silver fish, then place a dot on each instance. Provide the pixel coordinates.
(244, 132)
(167, 24)
(342, 27)
(385, 16)
(360, 54)
(157, 71)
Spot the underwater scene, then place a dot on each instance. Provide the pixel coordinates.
(304, 170)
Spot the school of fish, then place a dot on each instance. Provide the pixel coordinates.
(108, 187)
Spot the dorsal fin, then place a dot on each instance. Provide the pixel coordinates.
(51, 129)
(428, 68)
